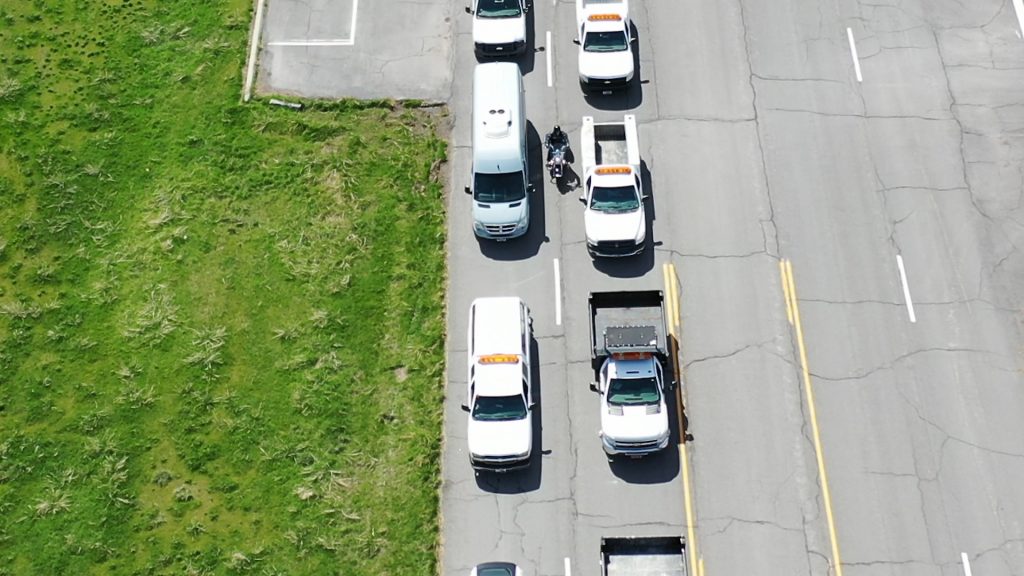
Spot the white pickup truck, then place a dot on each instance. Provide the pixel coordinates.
(613, 196)
(628, 349)
(606, 44)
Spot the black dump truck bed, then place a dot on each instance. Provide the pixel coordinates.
(643, 556)
(627, 322)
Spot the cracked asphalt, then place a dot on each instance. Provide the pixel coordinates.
(760, 144)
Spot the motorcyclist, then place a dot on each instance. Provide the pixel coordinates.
(556, 139)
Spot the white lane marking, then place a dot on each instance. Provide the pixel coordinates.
(547, 54)
(558, 294)
(853, 50)
(1018, 7)
(906, 288)
(338, 42)
(568, 568)
(963, 555)
(254, 47)
(352, 33)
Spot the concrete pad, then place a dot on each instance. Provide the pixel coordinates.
(348, 48)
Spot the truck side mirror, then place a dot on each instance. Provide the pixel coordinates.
(583, 197)
(645, 196)
(465, 408)
(594, 387)
(469, 10)
(632, 40)
(467, 190)
(531, 188)
(576, 41)
(532, 404)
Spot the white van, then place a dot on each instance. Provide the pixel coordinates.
(500, 397)
(499, 27)
(501, 174)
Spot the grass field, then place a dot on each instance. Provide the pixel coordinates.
(221, 325)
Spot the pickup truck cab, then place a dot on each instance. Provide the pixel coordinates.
(499, 27)
(499, 430)
(634, 415)
(606, 44)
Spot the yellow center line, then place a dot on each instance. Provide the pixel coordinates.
(672, 305)
(789, 288)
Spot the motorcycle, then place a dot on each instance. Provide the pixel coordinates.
(557, 143)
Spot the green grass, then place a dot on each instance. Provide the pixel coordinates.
(221, 325)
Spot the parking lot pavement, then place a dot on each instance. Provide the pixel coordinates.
(339, 48)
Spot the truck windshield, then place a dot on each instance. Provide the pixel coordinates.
(498, 9)
(498, 408)
(617, 199)
(614, 41)
(633, 391)
(506, 187)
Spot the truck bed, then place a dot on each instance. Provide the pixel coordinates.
(617, 309)
(643, 556)
(608, 143)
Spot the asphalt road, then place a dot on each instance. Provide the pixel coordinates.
(760, 144)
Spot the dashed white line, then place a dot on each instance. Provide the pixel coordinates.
(906, 288)
(1018, 7)
(568, 567)
(966, 562)
(856, 59)
(352, 33)
(547, 54)
(558, 294)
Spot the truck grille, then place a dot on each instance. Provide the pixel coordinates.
(606, 83)
(614, 248)
(504, 49)
(500, 229)
(500, 464)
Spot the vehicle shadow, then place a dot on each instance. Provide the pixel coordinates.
(628, 99)
(657, 468)
(528, 479)
(642, 263)
(528, 244)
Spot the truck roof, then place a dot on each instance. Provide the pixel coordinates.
(498, 379)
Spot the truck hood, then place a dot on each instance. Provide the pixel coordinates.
(634, 424)
(500, 438)
(499, 30)
(500, 213)
(601, 65)
(604, 226)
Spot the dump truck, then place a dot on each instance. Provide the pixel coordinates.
(613, 195)
(643, 556)
(629, 357)
(606, 45)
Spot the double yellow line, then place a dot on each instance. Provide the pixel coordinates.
(672, 312)
(793, 315)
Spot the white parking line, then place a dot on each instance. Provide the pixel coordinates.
(963, 555)
(853, 50)
(568, 568)
(906, 288)
(547, 54)
(558, 294)
(351, 40)
(254, 47)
